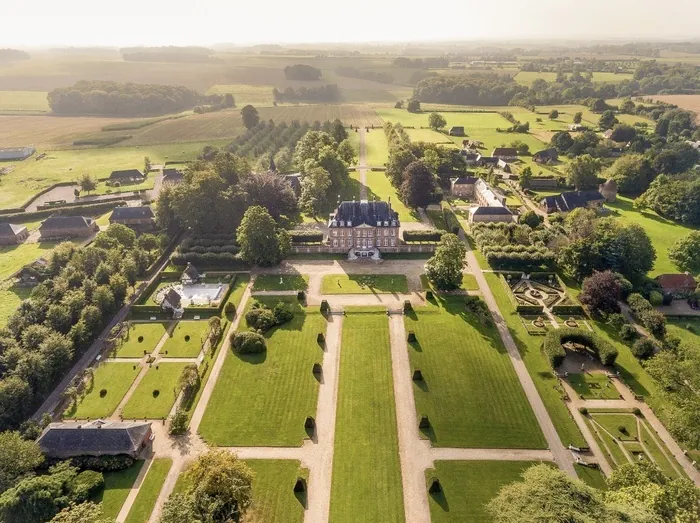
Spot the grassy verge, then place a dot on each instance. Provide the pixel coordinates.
(148, 493)
(592, 477)
(117, 487)
(366, 468)
(186, 339)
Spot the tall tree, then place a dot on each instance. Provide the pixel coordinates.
(578, 117)
(554, 114)
(685, 253)
(582, 172)
(601, 292)
(260, 240)
(18, 457)
(419, 185)
(444, 268)
(271, 191)
(436, 121)
(250, 116)
(607, 120)
(87, 184)
(631, 172)
(314, 190)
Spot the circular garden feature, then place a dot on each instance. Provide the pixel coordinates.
(571, 323)
(576, 339)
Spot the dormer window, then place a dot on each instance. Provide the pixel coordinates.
(379, 224)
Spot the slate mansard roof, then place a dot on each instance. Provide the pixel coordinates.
(376, 214)
(98, 437)
(465, 180)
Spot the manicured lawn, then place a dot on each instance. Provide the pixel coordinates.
(366, 468)
(613, 422)
(364, 284)
(10, 300)
(281, 282)
(117, 487)
(679, 329)
(274, 500)
(239, 286)
(376, 148)
(470, 391)
(145, 403)
(662, 232)
(148, 493)
(378, 186)
(593, 386)
(592, 477)
(468, 486)
(186, 340)
(115, 379)
(468, 283)
(14, 257)
(659, 456)
(538, 367)
(263, 399)
(143, 338)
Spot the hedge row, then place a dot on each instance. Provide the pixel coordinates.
(555, 338)
(189, 243)
(500, 258)
(529, 309)
(306, 236)
(210, 259)
(451, 220)
(88, 209)
(427, 235)
(653, 320)
(567, 310)
(216, 249)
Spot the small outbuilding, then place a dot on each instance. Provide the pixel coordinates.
(59, 227)
(13, 234)
(490, 214)
(172, 302)
(127, 176)
(190, 275)
(141, 216)
(10, 154)
(546, 156)
(98, 438)
(457, 130)
(28, 277)
(509, 154)
(677, 285)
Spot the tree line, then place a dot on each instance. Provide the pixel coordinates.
(13, 55)
(175, 54)
(374, 76)
(322, 93)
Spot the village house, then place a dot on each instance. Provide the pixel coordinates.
(463, 187)
(472, 144)
(508, 154)
(546, 156)
(486, 161)
(13, 154)
(172, 176)
(97, 438)
(677, 285)
(363, 227)
(127, 176)
(190, 275)
(469, 156)
(504, 166)
(457, 130)
(12, 234)
(172, 302)
(59, 227)
(568, 201)
(491, 205)
(141, 217)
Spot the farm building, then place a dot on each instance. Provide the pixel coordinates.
(457, 130)
(294, 181)
(486, 161)
(173, 176)
(608, 134)
(130, 216)
(363, 227)
(543, 182)
(546, 156)
(98, 438)
(677, 285)
(509, 154)
(9, 154)
(491, 204)
(12, 234)
(463, 186)
(127, 176)
(472, 144)
(504, 166)
(469, 156)
(490, 214)
(58, 227)
(568, 201)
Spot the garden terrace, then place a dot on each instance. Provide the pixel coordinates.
(275, 390)
(366, 469)
(593, 386)
(556, 341)
(470, 391)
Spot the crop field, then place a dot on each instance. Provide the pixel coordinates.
(155, 394)
(9, 301)
(691, 102)
(31, 176)
(274, 391)
(11, 101)
(470, 392)
(468, 486)
(366, 468)
(110, 383)
(662, 232)
(14, 257)
(527, 77)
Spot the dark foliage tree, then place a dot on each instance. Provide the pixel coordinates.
(601, 292)
(250, 116)
(419, 185)
(271, 191)
(302, 72)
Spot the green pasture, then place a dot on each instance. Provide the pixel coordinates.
(10, 299)
(528, 77)
(274, 391)
(469, 392)
(428, 135)
(114, 379)
(14, 257)
(156, 393)
(364, 284)
(366, 467)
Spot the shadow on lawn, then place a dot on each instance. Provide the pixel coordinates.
(440, 499)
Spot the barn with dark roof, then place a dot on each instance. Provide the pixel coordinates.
(12, 234)
(98, 438)
(141, 216)
(127, 175)
(568, 201)
(59, 227)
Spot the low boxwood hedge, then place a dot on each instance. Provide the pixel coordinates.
(306, 236)
(555, 353)
(427, 235)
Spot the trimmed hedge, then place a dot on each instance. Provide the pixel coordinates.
(88, 209)
(209, 259)
(567, 310)
(451, 221)
(555, 353)
(427, 235)
(306, 236)
(653, 320)
(112, 200)
(102, 463)
(529, 309)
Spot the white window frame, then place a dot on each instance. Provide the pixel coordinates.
(335, 243)
(393, 242)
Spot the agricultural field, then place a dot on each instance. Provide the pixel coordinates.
(276, 389)
(155, 394)
(286, 282)
(30, 101)
(364, 284)
(691, 102)
(528, 77)
(146, 498)
(117, 487)
(142, 338)
(102, 396)
(537, 365)
(14, 257)
(430, 136)
(186, 339)
(468, 486)
(257, 95)
(470, 392)
(662, 232)
(366, 468)
(10, 299)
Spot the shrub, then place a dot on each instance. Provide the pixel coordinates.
(625, 285)
(230, 308)
(616, 320)
(555, 353)
(301, 295)
(282, 313)
(622, 429)
(628, 333)
(636, 411)
(248, 343)
(140, 339)
(427, 235)
(85, 484)
(156, 392)
(644, 348)
(103, 393)
(656, 298)
(653, 320)
(103, 463)
(178, 422)
(325, 308)
(306, 237)
(583, 410)
(260, 318)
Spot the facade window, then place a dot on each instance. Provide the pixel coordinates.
(386, 232)
(335, 243)
(393, 233)
(342, 232)
(335, 232)
(358, 243)
(350, 233)
(393, 242)
(386, 242)
(379, 242)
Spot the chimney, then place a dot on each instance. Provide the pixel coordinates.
(389, 202)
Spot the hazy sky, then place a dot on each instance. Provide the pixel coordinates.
(203, 22)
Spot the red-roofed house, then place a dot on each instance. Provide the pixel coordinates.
(677, 285)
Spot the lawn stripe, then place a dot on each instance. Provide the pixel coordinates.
(150, 489)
